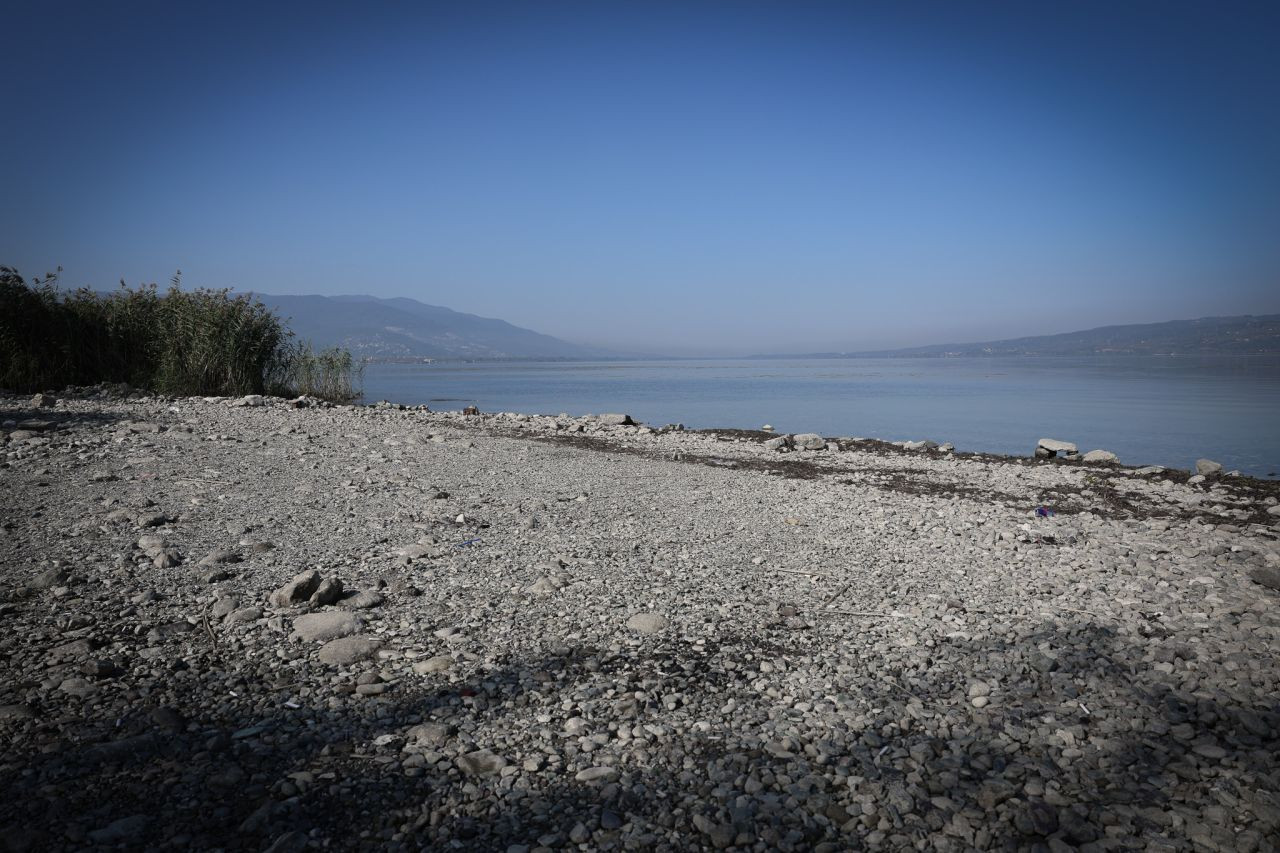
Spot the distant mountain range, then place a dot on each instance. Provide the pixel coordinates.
(405, 328)
(371, 327)
(1245, 335)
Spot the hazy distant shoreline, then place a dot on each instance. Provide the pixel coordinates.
(888, 354)
(1149, 410)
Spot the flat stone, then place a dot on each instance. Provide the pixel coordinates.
(1267, 576)
(223, 606)
(1047, 448)
(430, 734)
(647, 623)
(77, 686)
(362, 600)
(17, 712)
(597, 774)
(244, 614)
(36, 425)
(49, 578)
(480, 763)
(348, 650)
(542, 586)
(1100, 456)
(329, 625)
(294, 841)
(218, 557)
(438, 663)
(416, 551)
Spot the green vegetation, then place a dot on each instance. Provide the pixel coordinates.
(330, 374)
(178, 342)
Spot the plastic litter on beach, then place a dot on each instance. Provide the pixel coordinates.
(466, 542)
(1044, 512)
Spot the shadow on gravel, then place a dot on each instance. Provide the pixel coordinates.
(1080, 741)
(56, 417)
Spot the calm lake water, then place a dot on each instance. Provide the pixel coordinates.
(1149, 410)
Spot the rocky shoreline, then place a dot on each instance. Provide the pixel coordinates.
(251, 624)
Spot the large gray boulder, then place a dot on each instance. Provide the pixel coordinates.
(329, 591)
(616, 420)
(297, 590)
(809, 441)
(1100, 456)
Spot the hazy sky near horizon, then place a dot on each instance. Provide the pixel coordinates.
(694, 177)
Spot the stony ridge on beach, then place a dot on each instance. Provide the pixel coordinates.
(255, 627)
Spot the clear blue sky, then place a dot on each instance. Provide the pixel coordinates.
(695, 176)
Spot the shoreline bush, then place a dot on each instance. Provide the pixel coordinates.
(181, 342)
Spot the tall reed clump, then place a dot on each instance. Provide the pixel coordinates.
(330, 374)
(178, 342)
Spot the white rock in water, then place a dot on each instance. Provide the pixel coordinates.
(647, 623)
(1100, 456)
(1207, 467)
(1047, 448)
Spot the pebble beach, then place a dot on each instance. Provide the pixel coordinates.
(259, 624)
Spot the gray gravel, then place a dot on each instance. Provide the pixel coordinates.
(530, 633)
